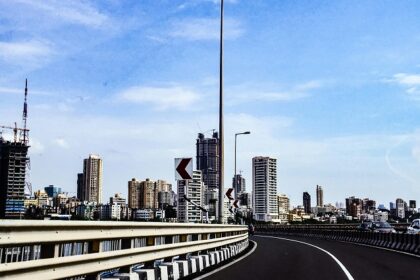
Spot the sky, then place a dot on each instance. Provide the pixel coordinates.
(331, 89)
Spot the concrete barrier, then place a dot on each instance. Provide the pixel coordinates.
(396, 241)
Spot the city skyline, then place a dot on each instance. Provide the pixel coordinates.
(143, 82)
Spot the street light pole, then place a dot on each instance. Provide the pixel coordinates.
(234, 176)
(221, 151)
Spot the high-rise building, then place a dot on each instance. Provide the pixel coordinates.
(391, 205)
(80, 190)
(92, 179)
(283, 203)
(354, 206)
(192, 189)
(245, 199)
(52, 190)
(13, 159)
(307, 202)
(207, 157)
(147, 194)
(319, 196)
(284, 206)
(134, 194)
(369, 205)
(161, 186)
(264, 188)
(412, 204)
(164, 199)
(238, 184)
(400, 208)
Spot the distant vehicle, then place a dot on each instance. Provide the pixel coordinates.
(365, 226)
(251, 229)
(414, 228)
(62, 217)
(376, 227)
(382, 227)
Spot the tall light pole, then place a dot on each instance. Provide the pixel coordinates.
(221, 151)
(235, 178)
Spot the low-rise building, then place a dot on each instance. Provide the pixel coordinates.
(143, 214)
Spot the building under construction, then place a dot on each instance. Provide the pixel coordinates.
(13, 163)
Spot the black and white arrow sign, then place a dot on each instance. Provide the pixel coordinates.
(183, 168)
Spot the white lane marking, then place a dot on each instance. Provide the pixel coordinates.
(228, 264)
(319, 248)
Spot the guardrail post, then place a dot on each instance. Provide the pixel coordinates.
(404, 242)
(417, 246)
(47, 251)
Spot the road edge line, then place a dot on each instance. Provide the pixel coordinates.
(228, 264)
(343, 268)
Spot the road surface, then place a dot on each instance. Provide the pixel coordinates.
(319, 259)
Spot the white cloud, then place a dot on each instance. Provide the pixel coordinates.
(407, 79)
(62, 143)
(161, 98)
(278, 96)
(245, 93)
(36, 147)
(309, 85)
(29, 53)
(410, 81)
(193, 3)
(73, 11)
(195, 29)
(10, 90)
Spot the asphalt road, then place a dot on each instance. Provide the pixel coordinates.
(284, 259)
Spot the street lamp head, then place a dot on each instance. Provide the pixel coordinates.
(240, 133)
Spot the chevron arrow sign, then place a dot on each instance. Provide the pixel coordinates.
(183, 168)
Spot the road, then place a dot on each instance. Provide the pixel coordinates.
(288, 259)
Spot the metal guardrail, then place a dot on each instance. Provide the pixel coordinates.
(409, 243)
(64, 249)
(400, 227)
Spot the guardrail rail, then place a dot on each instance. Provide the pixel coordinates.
(83, 249)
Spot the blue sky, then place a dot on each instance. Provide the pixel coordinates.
(329, 88)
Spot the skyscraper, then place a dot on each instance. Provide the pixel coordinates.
(307, 202)
(264, 187)
(92, 179)
(238, 185)
(192, 189)
(207, 157)
(319, 196)
(134, 194)
(13, 159)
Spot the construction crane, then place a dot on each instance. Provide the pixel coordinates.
(23, 137)
(15, 131)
